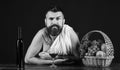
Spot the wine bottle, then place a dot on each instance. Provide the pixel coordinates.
(20, 49)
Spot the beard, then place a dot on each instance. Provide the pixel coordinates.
(54, 30)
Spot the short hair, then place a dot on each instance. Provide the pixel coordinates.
(55, 9)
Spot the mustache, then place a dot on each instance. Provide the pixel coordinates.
(54, 29)
(54, 25)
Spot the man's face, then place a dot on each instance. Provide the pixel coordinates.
(54, 22)
(54, 18)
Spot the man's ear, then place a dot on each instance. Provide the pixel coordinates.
(45, 22)
(63, 21)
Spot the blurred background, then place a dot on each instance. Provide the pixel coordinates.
(82, 15)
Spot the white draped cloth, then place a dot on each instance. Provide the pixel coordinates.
(62, 44)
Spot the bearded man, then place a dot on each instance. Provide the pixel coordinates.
(56, 38)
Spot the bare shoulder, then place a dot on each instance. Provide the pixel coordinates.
(41, 31)
(37, 40)
(39, 34)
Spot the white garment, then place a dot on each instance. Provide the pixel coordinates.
(62, 44)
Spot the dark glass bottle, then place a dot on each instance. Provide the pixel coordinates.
(20, 49)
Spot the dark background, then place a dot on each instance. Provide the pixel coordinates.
(82, 15)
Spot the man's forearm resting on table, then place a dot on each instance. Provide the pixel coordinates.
(35, 60)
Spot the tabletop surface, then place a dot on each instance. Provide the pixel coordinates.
(61, 67)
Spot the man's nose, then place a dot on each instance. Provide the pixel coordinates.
(54, 21)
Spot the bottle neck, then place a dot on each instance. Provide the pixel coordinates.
(19, 33)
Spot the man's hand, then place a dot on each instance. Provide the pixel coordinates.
(45, 55)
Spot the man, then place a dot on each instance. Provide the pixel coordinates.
(57, 38)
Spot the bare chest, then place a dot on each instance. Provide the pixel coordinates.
(47, 45)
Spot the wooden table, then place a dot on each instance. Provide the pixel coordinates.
(61, 67)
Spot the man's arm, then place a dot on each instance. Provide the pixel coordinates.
(34, 49)
(75, 43)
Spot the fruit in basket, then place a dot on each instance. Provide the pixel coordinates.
(92, 50)
(100, 54)
(104, 48)
(107, 49)
(87, 54)
(94, 42)
(86, 44)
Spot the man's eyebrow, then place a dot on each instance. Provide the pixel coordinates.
(51, 17)
(54, 16)
(58, 16)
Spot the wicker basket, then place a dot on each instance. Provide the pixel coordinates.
(94, 60)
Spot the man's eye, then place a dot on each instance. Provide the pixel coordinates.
(51, 18)
(57, 18)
